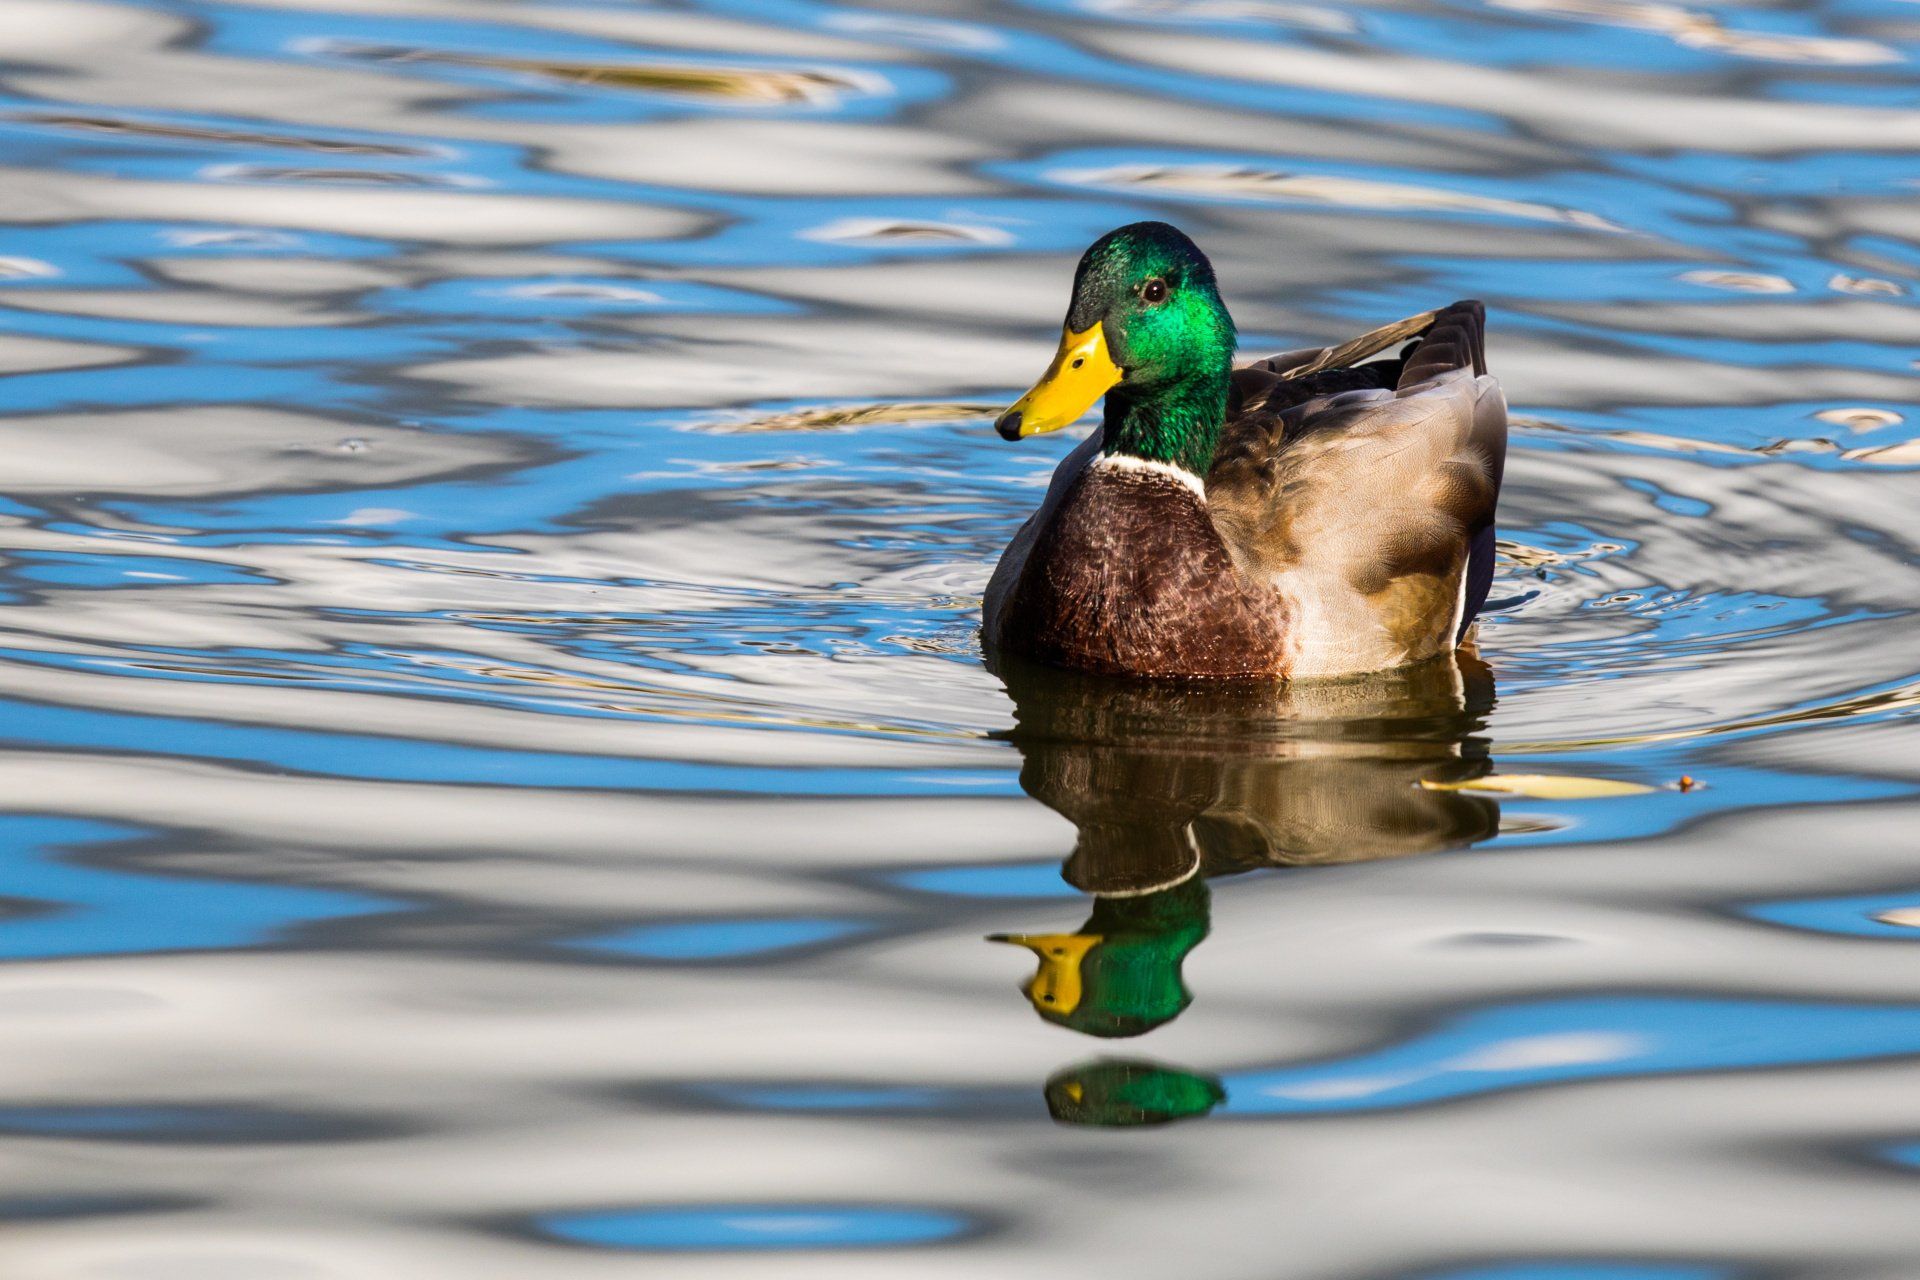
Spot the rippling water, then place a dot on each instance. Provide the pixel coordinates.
(500, 779)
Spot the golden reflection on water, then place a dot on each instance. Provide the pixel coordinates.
(830, 417)
(743, 84)
(175, 131)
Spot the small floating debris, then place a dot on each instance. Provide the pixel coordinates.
(1739, 281)
(1542, 786)
(208, 133)
(834, 417)
(738, 84)
(906, 231)
(1902, 917)
(1875, 286)
(1252, 182)
(1522, 556)
(1860, 417)
(771, 86)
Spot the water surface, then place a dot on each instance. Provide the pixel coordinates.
(500, 779)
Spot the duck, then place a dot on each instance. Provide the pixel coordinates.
(1318, 513)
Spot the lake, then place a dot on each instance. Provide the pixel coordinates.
(500, 776)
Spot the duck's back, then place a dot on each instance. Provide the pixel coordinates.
(1370, 510)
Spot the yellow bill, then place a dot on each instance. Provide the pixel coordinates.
(1080, 374)
(1057, 987)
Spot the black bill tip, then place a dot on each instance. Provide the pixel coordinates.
(1009, 425)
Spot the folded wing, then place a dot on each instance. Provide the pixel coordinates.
(1366, 492)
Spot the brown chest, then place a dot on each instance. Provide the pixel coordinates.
(1131, 578)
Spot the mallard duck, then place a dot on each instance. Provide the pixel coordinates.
(1316, 513)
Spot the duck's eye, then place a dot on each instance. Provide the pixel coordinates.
(1154, 290)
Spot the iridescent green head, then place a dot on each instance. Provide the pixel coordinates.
(1146, 328)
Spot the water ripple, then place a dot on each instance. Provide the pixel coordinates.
(497, 506)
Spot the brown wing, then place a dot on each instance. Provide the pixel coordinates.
(1367, 494)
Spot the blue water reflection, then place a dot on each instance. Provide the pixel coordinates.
(71, 900)
(1877, 915)
(1603, 1038)
(721, 939)
(757, 1227)
(1484, 1052)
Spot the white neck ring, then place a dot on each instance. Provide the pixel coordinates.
(1126, 462)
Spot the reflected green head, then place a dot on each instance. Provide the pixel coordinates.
(1116, 1093)
(1119, 975)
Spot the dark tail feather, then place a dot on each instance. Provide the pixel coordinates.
(1479, 573)
(1490, 443)
(1456, 340)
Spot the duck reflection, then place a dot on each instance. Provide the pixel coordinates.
(1121, 1093)
(1171, 784)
